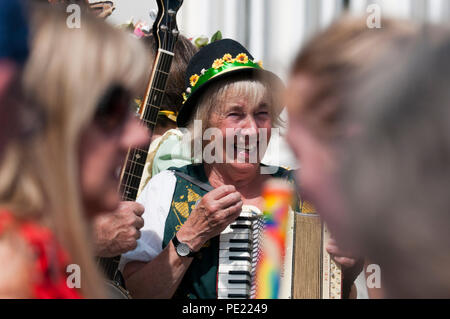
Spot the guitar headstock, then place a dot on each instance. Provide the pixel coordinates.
(165, 28)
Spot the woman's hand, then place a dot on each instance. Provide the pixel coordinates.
(344, 258)
(351, 265)
(215, 211)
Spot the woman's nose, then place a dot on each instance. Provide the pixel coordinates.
(250, 126)
(136, 134)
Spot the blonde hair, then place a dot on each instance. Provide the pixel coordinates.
(69, 70)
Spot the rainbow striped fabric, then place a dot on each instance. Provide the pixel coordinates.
(278, 196)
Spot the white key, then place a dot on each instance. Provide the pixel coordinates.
(237, 231)
(225, 269)
(242, 222)
(227, 261)
(227, 236)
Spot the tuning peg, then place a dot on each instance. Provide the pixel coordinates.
(175, 32)
(171, 13)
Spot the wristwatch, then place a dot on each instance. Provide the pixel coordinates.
(182, 249)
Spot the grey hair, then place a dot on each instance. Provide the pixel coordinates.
(396, 173)
(212, 100)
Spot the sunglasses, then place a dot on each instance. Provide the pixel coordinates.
(114, 108)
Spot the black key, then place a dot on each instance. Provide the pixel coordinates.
(239, 272)
(240, 226)
(233, 296)
(241, 241)
(240, 258)
(237, 281)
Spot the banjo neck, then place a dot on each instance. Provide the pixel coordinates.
(136, 158)
(165, 33)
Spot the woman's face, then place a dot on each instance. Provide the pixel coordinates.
(103, 149)
(246, 128)
(316, 175)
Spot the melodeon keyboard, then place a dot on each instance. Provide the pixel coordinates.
(239, 253)
(308, 270)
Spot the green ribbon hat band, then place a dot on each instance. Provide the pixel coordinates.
(220, 66)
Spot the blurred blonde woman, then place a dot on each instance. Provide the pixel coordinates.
(52, 186)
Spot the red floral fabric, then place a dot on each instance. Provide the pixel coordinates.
(49, 272)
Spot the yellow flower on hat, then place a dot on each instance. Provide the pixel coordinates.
(217, 63)
(228, 58)
(194, 79)
(242, 58)
(260, 63)
(184, 96)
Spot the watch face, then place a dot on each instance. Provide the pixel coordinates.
(183, 249)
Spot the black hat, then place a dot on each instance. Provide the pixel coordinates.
(215, 61)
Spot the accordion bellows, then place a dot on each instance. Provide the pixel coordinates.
(308, 270)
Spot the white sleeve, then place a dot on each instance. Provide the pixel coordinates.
(156, 198)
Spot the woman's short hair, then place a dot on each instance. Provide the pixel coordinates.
(213, 99)
(396, 170)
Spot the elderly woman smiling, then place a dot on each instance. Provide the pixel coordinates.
(178, 253)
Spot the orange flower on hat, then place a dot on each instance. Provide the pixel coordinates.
(228, 58)
(260, 63)
(217, 63)
(242, 58)
(194, 79)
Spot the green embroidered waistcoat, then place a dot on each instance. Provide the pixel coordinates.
(200, 280)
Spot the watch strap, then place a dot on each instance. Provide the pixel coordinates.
(176, 242)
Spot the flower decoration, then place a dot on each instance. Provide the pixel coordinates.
(260, 63)
(194, 79)
(228, 58)
(202, 41)
(218, 63)
(242, 58)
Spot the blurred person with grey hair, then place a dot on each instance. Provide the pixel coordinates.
(316, 105)
(395, 176)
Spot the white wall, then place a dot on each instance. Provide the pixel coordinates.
(275, 30)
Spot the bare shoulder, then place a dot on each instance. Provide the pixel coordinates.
(16, 274)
